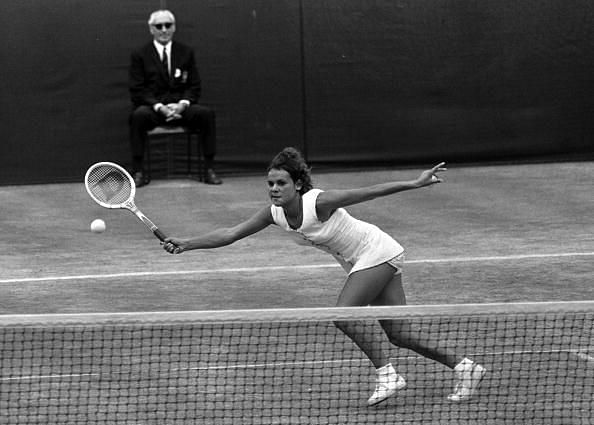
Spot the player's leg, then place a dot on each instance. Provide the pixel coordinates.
(360, 289)
(403, 334)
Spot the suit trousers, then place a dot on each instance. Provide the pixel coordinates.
(196, 117)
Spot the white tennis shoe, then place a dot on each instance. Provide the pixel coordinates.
(387, 384)
(469, 375)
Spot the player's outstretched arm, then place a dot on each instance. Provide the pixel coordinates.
(332, 199)
(220, 237)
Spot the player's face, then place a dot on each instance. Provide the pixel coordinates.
(162, 29)
(281, 187)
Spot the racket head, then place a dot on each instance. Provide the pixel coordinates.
(110, 185)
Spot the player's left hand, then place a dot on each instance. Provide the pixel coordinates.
(430, 177)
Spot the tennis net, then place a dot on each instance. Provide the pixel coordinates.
(294, 366)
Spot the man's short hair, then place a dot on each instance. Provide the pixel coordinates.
(157, 13)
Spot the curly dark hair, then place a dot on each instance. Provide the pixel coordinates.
(292, 161)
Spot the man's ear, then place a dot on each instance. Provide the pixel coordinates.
(299, 185)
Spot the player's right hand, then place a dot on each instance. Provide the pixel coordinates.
(174, 246)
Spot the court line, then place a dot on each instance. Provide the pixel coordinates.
(577, 353)
(289, 267)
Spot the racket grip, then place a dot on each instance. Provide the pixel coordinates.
(160, 235)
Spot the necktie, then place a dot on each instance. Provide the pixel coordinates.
(164, 60)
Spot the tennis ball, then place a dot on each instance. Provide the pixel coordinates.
(98, 226)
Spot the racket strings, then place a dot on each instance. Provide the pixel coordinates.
(109, 185)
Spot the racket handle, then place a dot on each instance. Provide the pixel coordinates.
(159, 234)
(148, 223)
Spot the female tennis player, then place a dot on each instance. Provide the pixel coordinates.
(371, 258)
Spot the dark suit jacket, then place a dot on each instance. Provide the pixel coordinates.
(149, 82)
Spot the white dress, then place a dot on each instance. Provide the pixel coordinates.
(356, 245)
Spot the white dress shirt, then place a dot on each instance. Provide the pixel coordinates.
(160, 49)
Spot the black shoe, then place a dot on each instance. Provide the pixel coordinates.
(140, 179)
(212, 178)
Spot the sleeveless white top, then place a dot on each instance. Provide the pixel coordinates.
(355, 244)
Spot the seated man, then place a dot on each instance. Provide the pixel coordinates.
(165, 87)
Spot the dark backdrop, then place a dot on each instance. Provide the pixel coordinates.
(350, 81)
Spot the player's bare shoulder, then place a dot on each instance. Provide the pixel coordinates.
(327, 202)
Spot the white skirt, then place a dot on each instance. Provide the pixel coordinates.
(397, 262)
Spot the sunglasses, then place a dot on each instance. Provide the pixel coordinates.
(166, 25)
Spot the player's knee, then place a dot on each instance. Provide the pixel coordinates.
(398, 332)
(350, 327)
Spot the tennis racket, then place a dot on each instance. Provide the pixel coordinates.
(111, 186)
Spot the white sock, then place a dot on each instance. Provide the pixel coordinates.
(464, 363)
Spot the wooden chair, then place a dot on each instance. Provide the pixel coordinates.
(169, 132)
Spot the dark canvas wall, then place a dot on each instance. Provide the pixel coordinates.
(365, 80)
(454, 79)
